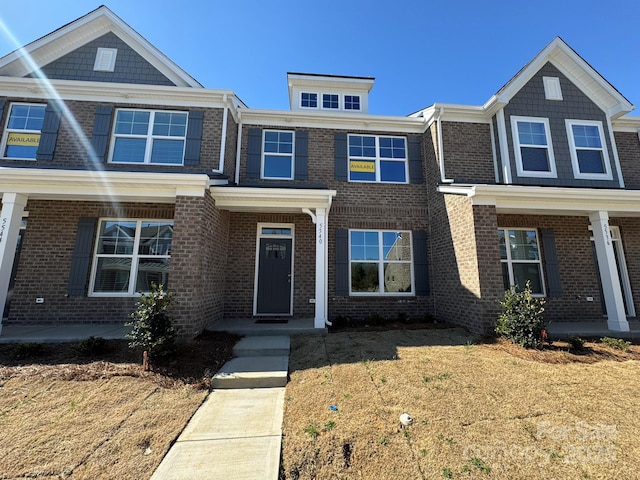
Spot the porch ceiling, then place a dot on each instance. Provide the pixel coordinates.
(533, 200)
(276, 200)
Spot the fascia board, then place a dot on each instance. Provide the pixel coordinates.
(270, 199)
(290, 119)
(462, 113)
(626, 124)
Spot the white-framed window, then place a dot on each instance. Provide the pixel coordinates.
(352, 102)
(521, 260)
(22, 131)
(308, 100)
(330, 101)
(589, 156)
(277, 154)
(375, 158)
(533, 147)
(380, 262)
(149, 136)
(130, 255)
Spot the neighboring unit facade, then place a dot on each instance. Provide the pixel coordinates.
(119, 170)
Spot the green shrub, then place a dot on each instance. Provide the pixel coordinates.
(23, 351)
(374, 319)
(90, 347)
(152, 328)
(616, 343)
(521, 319)
(576, 343)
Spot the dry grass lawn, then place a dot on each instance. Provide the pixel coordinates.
(64, 416)
(480, 410)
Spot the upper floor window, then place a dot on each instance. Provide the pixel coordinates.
(22, 133)
(377, 159)
(380, 262)
(589, 155)
(532, 145)
(330, 100)
(130, 255)
(520, 258)
(155, 137)
(309, 100)
(352, 102)
(277, 157)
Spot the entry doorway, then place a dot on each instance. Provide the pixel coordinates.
(273, 292)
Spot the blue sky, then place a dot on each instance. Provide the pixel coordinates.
(420, 52)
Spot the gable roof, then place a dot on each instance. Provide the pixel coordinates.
(576, 69)
(83, 30)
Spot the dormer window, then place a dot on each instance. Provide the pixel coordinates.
(309, 100)
(352, 102)
(330, 101)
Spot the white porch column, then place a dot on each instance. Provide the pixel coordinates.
(10, 219)
(617, 318)
(321, 268)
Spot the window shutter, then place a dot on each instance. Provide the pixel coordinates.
(194, 137)
(341, 158)
(2, 104)
(49, 132)
(101, 128)
(302, 155)
(342, 263)
(551, 265)
(420, 263)
(81, 256)
(254, 152)
(415, 159)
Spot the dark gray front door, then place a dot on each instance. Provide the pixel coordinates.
(274, 277)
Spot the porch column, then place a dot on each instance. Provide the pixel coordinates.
(10, 219)
(321, 268)
(617, 318)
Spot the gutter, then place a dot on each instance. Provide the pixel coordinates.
(238, 148)
(223, 140)
(443, 177)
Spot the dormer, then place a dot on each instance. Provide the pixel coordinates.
(329, 93)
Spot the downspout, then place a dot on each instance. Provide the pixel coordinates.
(443, 177)
(223, 142)
(238, 148)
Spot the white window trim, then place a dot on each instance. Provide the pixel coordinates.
(344, 102)
(552, 173)
(148, 136)
(608, 174)
(378, 159)
(135, 257)
(318, 95)
(103, 54)
(381, 261)
(7, 131)
(509, 261)
(260, 235)
(275, 154)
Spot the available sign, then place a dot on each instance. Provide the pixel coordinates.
(356, 166)
(23, 139)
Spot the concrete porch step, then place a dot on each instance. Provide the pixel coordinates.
(259, 346)
(252, 372)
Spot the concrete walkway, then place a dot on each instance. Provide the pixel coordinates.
(236, 433)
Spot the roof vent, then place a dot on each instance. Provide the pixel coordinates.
(552, 89)
(105, 59)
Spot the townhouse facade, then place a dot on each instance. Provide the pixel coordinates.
(119, 170)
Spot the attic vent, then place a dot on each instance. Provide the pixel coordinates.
(105, 59)
(552, 88)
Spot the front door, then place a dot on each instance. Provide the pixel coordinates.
(274, 282)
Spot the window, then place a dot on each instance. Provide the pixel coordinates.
(380, 262)
(277, 160)
(532, 144)
(155, 137)
(330, 100)
(589, 157)
(520, 257)
(309, 100)
(352, 102)
(22, 134)
(130, 255)
(377, 159)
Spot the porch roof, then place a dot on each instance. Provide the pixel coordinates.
(276, 200)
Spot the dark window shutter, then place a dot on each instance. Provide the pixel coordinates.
(101, 130)
(342, 161)
(420, 263)
(194, 138)
(551, 264)
(81, 256)
(342, 263)
(302, 155)
(49, 132)
(415, 159)
(3, 102)
(254, 152)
